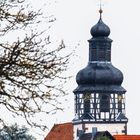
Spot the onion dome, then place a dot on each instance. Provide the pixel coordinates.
(100, 29)
(99, 74)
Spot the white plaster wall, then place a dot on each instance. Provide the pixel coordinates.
(111, 128)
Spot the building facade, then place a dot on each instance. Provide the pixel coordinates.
(99, 97)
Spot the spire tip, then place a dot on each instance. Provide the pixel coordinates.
(100, 10)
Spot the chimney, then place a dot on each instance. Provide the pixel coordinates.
(94, 131)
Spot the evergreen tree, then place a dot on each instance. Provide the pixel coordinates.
(14, 132)
(103, 138)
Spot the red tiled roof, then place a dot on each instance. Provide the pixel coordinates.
(65, 132)
(127, 137)
(61, 132)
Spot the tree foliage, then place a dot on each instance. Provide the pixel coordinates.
(103, 138)
(31, 68)
(14, 132)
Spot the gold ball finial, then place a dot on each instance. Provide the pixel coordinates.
(100, 11)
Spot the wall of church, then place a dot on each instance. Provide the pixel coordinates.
(113, 129)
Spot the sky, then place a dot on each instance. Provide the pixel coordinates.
(74, 21)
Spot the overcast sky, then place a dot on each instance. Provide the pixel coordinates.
(74, 20)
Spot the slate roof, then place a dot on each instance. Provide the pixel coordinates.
(86, 136)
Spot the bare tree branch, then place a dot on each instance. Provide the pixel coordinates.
(30, 70)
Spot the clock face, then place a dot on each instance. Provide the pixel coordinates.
(86, 96)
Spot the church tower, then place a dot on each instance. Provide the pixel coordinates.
(99, 97)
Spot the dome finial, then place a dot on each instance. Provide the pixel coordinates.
(100, 10)
(100, 29)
